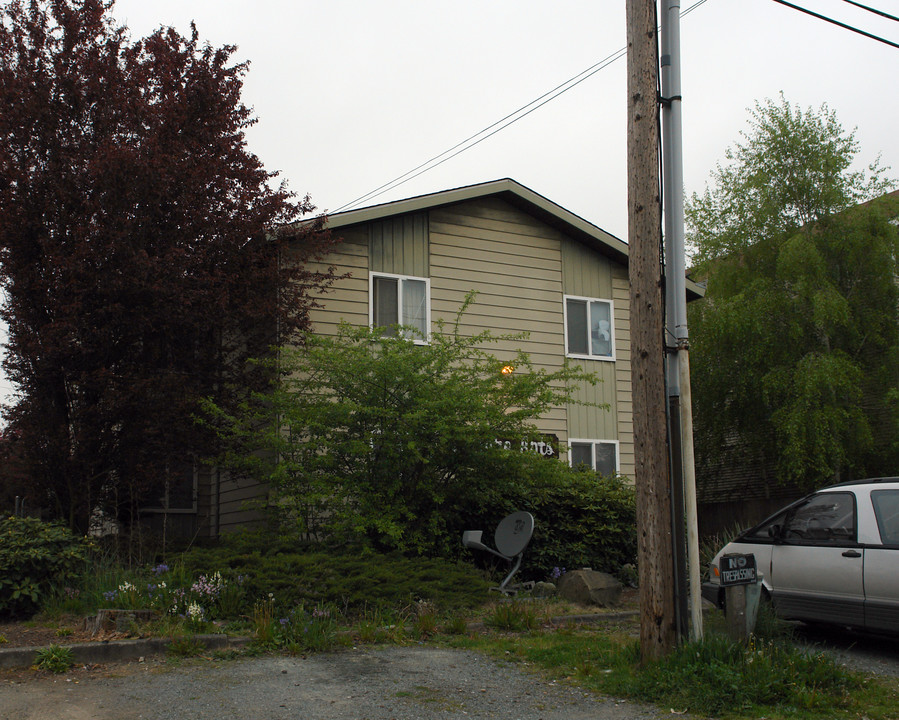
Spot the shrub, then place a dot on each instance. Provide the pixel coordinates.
(353, 578)
(37, 560)
(581, 519)
(383, 439)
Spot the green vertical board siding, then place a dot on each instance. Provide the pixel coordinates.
(399, 245)
(588, 274)
(584, 272)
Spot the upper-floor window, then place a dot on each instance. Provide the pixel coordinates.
(599, 455)
(399, 300)
(589, 332)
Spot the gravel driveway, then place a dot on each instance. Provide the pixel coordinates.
(365, 683)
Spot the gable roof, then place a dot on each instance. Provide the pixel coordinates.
(512, 192)
(515, 194)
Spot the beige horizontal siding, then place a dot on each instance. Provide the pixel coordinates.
(520, 269)
(347, 299)
(513, 263)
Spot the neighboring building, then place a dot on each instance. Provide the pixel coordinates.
(535, 266)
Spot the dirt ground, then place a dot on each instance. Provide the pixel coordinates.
(364, 683)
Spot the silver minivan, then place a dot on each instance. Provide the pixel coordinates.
(832, 557)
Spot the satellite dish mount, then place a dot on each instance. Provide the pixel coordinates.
(512, 536)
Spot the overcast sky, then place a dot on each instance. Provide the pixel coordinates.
(350, 94)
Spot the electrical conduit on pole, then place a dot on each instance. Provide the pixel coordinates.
(675, 283)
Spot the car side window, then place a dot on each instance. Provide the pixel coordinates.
(886, 510)
(824, 519)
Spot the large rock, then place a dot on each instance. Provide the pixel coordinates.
(589, 587)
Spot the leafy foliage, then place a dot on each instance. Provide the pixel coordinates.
(796, 344)
(136, 257)
(37, 559)
(792, 169)
(392, 441)
(581, 519)
(585, 521)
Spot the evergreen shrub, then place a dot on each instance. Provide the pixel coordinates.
(37, 559)
(352, 578)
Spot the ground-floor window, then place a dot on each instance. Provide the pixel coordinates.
(599, 455)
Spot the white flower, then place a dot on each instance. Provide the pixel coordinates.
(194, 611)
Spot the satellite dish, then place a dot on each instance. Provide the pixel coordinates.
(512, 537)
(514, 533)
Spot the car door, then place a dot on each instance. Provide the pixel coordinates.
(882, 564)
(817, 565)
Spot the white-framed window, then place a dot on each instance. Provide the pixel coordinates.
(589, 328)
(400, 300)
(600, 455)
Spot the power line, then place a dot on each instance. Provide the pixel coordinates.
(497, 126)
(872, 10)
(464, 145)
(839, 24)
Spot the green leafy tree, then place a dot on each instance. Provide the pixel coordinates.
(392, 440)
(795, 347)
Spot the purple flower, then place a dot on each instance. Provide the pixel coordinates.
(161, 568)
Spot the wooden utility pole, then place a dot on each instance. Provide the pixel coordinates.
(654, 542)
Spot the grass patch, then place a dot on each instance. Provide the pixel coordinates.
(185, 646)
(55, 659)
(712, 678)
(515, 616)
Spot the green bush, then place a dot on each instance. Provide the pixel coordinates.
(37, 560)
(378, 438)
(581, 519)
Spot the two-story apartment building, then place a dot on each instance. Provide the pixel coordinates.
(535, 267)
